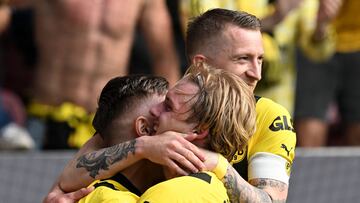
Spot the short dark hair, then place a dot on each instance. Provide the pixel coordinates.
(120, 95)
(211, 24)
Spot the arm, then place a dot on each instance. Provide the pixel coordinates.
(256, 190)
(269, 156)
(317, 40)
(170, 149)
(260, 190)
(4, 15)
(327, 11)
(157, 28)
(282, 9)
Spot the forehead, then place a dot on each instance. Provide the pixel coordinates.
(148, 102)
(182, 92)
(184, 86)
(240, 40)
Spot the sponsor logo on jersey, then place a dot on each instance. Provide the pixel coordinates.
(282, 123)
(239, 156)
(283, 146)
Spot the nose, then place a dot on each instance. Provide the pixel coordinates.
(254, 72)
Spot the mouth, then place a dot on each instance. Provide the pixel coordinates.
(252, 85)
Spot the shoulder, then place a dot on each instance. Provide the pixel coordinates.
(267, 107)
(270, 113)
(274, 129)
(205, 184)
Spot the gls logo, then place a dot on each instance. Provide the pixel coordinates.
(281, 123)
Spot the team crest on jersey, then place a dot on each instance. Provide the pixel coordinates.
(239, 156)
(288, 168)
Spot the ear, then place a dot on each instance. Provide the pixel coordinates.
(198, 58)
(202, 134)
(201, 139)
(142, 126)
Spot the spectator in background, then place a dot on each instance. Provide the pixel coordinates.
(12, 113)
(4, 20)
(334, 81)
(4, 15)
(13, 135)
(81, 44)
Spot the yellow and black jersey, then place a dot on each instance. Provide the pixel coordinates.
(202, 187)
(116, 189)
(271, 150)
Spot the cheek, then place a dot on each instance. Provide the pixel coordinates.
(234, 67)
(239, 69)
(164, 123)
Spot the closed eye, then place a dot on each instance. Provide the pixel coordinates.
(167, 105)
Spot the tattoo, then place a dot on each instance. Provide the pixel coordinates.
(102, 159)
(239, 190)
(264, 183)
(230, 183)
(274, 185)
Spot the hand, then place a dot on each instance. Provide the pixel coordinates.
(175, 151)
(283, 7)
(58, 196)
(211, 159)
(328, 10)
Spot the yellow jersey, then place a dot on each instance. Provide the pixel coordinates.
(116, 189)
(274, 137)
(202, 187)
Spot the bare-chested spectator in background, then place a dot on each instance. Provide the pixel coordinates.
(84, 43)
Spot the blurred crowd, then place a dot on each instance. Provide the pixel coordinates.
(55, 57)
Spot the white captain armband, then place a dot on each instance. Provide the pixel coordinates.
(267, 165)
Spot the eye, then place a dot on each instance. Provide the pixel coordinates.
(167, 107)
(260, 59)
(241, 58)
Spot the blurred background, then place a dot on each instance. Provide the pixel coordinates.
(56, 55)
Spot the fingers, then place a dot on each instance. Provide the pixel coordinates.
(190, 137)
(173, 149)
(194, 149)
(187, 160)
(174, 167)
(77, 195)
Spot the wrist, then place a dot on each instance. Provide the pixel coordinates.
(320, 33)
(140, 147)
(221, 167)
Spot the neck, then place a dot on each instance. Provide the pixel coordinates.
(119, 134)
(144, 174)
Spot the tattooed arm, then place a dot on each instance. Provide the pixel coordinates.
(87, 166)
(256, 190)
(169, 149)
